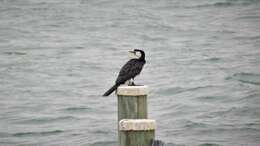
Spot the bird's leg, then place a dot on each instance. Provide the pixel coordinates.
(131, 82)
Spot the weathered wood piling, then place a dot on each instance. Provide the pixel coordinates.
(133, 126)
(136, 132)
(132, 102)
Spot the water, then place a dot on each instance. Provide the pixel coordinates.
(57, 57)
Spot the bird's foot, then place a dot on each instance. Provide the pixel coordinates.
(131, 84)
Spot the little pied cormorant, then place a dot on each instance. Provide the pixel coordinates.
(130, 70)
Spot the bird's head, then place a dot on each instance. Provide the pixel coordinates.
(137, 54)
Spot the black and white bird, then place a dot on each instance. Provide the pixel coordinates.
(130, 70)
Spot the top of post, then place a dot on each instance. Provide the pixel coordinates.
(132, 90)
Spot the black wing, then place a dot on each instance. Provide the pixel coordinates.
(132, 68)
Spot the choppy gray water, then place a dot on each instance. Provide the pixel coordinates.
(57, 57)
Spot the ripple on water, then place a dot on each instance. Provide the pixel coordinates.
(113, 143)
(204, 144)
(104, 143)
(177, 90)
(77, 109)
(251, 98)
(171, 91)
(191, 124)
(173, 144)
(213, 59)
(41, 133)
(15, 53)
(209, 144)
(228, 3)
(47, 120)
(250, 78)
(211, 98)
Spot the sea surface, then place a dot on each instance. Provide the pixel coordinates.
(57, 57)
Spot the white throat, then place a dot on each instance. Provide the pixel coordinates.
(136, 55)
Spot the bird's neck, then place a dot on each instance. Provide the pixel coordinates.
(142, 58)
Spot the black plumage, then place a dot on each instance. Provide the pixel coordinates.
(129, 71)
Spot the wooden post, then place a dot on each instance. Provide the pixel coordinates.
(136, 132)
(134, 127)
(132, 102)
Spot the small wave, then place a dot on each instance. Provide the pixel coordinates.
(14, 53)
(191, 124)
(47, 120)
(217, 4)
(177, 90)
(101, 132)
(77, 108)
(173, 144)
(223, 4)
(249, 17)
(209, 98)
(251, 97)
(104, 143)
(171, 91)
(79, 47)
(228, 3)
(43, 133)
(252, 125)
(201, 88)
(154, 38)
(213, 59)
(248, 37)
(249, 78)
(209, 144)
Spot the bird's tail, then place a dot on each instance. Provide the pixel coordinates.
(110, 90)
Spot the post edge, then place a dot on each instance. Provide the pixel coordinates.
(132, 90)
(137, 125)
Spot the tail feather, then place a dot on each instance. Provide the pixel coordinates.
(113, 88)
